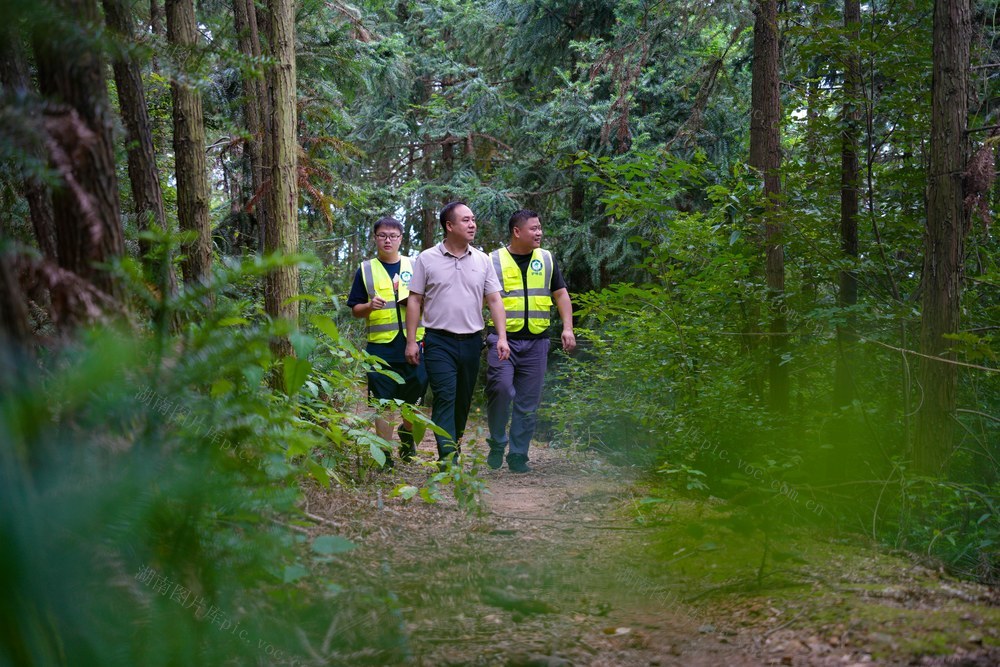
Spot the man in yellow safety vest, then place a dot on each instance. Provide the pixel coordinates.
(530, 282)
(379, 294)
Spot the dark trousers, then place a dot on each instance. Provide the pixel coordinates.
(516, 382)
(452, 367)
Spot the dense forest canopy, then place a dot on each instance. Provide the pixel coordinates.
(775, 220)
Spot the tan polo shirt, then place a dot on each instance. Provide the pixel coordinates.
(453, 288)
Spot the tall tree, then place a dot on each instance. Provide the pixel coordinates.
(189, 144)
(15, 331)
(156, 28)
(282, 231)
(944, 236)
(765, 155)
(147, 196)
(850, 135)
(255, 107)
(71, 73)
(428, 212)
(155, 18)
(14, 77)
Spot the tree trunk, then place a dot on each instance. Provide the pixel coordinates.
(847, 296)
(765, 155)
(147, 196)
(282, 284)
(430, 220)
(189, 148)
(14, 77)
(411, 216)
(577, 199)
(429, 211)
(155, 18)
(944, 238)
(447, 168)
(267, 129)
(155, 29)
(580, 276)
(79, 142)
(254, 109)
(15, 329)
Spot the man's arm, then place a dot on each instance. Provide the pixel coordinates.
(499, 315)
(565, 307)
(413, 306)
(361, 306)
(366, 309)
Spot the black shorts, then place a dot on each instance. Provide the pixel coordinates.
(414, 383)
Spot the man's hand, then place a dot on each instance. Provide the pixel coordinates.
(503, 349)
(377, 303)
(568, 340)
(499, 315)
(413, 304)
(565, 307)
(413, 353)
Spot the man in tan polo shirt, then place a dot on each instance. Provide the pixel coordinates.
(448, 285)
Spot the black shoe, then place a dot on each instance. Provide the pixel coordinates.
(518, 463)
(495, 458)
(407, 448)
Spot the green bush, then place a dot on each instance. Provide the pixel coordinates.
(149, 485)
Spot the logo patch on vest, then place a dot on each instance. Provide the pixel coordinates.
(536, 265)
(405, 277)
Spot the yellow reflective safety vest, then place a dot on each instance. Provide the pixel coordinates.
(384, 324)
(533, 303)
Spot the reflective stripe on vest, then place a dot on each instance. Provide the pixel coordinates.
(384, 324)
(536, 300)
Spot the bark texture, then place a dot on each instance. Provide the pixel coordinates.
(156, 18)
(189, 146)
(147, 196)
(15, 328)
(850, 176)
(282, 234)
(78, 130)
(254, 110)
(765, 155)
(14, 77)
(428, 212)
(944, 237)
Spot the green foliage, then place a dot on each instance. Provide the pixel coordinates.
(690, 476)
(587, 112)
(466, 484)
(154, 479)
(673, 368)
(957, 523)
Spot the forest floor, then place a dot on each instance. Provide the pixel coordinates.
(572, 564)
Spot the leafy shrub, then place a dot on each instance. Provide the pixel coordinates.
(955, 523)
(149, 485)
(673, 368)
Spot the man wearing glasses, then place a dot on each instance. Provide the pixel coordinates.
(379, 294)
(450, 282)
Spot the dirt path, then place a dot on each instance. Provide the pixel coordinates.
(554, 572)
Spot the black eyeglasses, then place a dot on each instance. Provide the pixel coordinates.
(383, 237)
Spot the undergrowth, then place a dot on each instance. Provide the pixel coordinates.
(150, 485)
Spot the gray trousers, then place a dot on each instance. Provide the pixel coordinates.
(514, 391)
